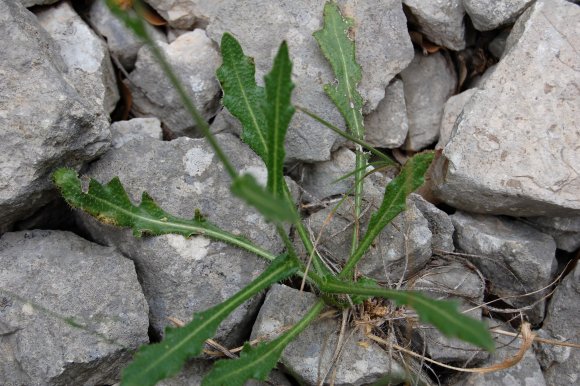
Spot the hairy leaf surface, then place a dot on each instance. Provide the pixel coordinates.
(256, 363)
(409, 179)
(278, 110)
(442, 314)
(242, 96)
(110, 204)
(162, 360)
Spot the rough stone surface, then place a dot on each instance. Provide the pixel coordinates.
(184, 14)
(561, 365)
(195, 59)
(451, 111)
(526, 372)
(136, 128)
(122, 43)
(514, 257)
(181, 276)
(88, 63)
(515, 152)
(321, 179)
(402, 249)
(383, 50)
(448, 279)
(44, 122)
(387, 126)
(487, 15)
(440, 21)
(429, 81)
(565, 230)
(309, 355)
(439, 224)
(31, 3)
(50, 276)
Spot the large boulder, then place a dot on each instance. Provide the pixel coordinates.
(71, 311)
(45, 122)
(512, 151)
(181, 276)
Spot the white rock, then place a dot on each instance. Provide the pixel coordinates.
(515, 147)
(85, 54)
(451, 111)
(441, 21)
(490, 14)
(125, 131)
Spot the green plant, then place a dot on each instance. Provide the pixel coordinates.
(265, 113)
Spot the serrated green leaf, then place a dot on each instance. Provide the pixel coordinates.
(242, 96)
(442, 314)
(340, 52)
(256, 363)
(409, 179)
(271, 207)
(162, 360)
(110, 204)
(278, 110)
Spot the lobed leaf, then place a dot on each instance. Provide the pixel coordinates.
(340, 52)
(271, 207)
(278, 110)
(409, 179)
(242, 96)
(256, 363)
(442, 314)
(165, 359)
(110, 204)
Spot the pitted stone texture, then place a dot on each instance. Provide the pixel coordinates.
(121, 41)
(402, 248)
(562, 364)
(515, 258)
(195, 59)
(440, 21)
(136, 128)
(387, 126)
(182, 276)
(490, 14)
(439, 224)
(526, 372)
(85, 55)
(565, 230)
(515, 152)
(447, 279)
(74, 309)
(309, 356)
(451, 111)
(429, 81)
(44, 122)
(323, 179)
(383, 48)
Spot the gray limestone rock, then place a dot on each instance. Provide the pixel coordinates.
(497, 46)
(515, 152)
(440, 21)
(402, 249)
(439, 224)
(565, 230)
(526, 372)
(309, 356)
(490, 14)
(31, 3)
(562, 364)
(448, 279)
(136, 128)
(515, 258)
(74, 309)
(181, 276)
(387, 126)
(429, 81)
(451, 111)
(321, 179)
(195, 59)
(88, 63)
(44, 122)
(122, 43)
(383, 49)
